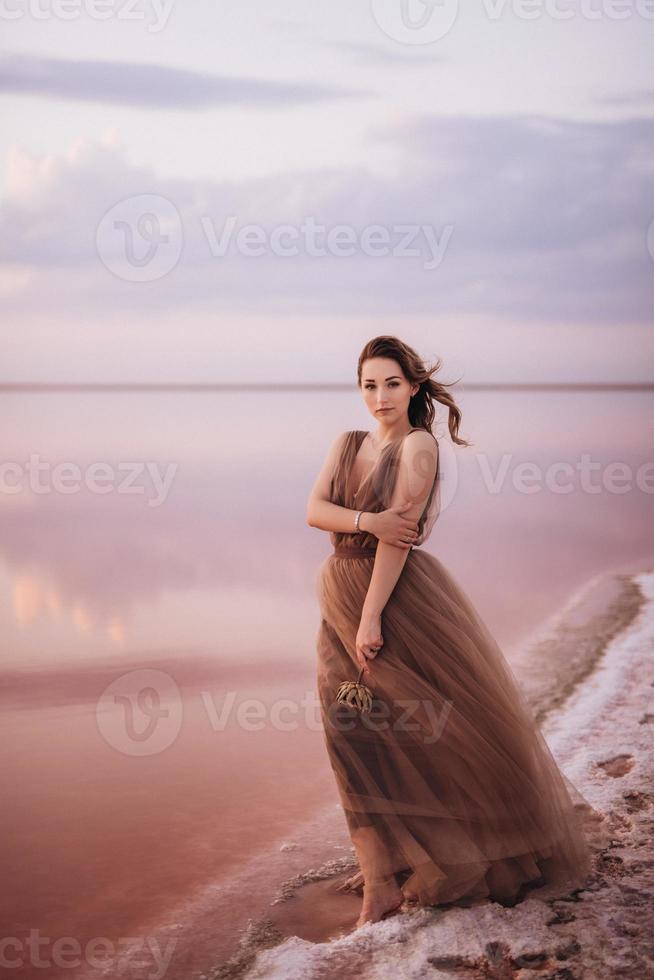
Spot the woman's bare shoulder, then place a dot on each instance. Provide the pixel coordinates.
(342, 437)
(337, 446)
(421, 439)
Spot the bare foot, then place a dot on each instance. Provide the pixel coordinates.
(353, 884)
(379, 900)
(409, 895)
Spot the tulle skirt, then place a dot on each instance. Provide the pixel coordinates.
(448, 779)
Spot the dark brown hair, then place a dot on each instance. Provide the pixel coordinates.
(421, 407)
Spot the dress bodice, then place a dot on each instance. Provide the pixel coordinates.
(375, 490)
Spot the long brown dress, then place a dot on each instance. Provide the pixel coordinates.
(449, 775)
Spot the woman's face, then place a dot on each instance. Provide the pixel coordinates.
(385, 389)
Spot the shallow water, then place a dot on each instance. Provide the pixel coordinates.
(112, 834)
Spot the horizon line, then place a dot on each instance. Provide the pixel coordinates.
(191, 386)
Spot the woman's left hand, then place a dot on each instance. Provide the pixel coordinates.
(369, 641)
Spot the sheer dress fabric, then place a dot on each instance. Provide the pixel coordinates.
(449, 776)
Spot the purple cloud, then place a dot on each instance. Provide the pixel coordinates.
(153, 86)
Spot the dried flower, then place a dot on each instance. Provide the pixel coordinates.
(356, 694)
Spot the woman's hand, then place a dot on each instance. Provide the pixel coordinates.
(391, 527)
(369, 640)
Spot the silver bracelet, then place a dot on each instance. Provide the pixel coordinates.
(356, 519)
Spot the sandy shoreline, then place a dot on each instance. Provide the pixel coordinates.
(588, 676)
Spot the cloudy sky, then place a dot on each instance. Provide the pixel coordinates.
(212, 191)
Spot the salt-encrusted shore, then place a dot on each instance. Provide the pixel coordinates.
(590, 680)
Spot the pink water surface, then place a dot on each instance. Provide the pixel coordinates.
(214, 588)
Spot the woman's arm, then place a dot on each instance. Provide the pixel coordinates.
(321, 512)
(331, 517)
(415, 478)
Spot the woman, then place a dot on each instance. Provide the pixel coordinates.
(449, 790)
